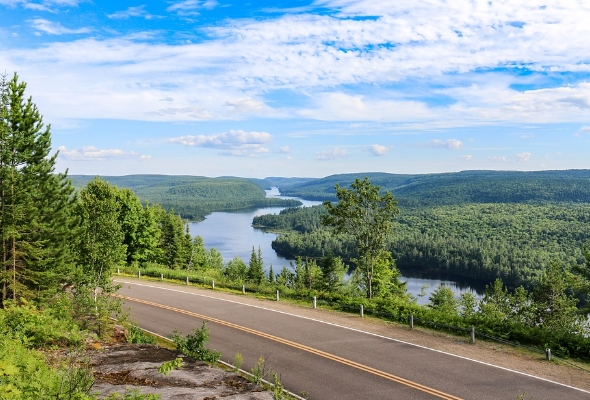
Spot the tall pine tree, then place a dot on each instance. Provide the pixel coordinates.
(35, 222)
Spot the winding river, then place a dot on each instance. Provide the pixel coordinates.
(233, 235)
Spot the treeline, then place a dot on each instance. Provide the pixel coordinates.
(514, 242)
(193, 197)
(570, 186)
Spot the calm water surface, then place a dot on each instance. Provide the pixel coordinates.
(233, 235)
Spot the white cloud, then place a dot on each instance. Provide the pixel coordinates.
(184, 112)
(190, 7)
(138, 11)
(523, 157)
(91, 153)
(585, 130)
(344, 107)
(233, 142)
(285, 150)
(449, 144)
(498, 159)
(245, 106)
(467, 157)
(378, 150)
(55, 28)
(42, 5)
(327, 155)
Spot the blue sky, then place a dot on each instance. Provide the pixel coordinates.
(305, 88)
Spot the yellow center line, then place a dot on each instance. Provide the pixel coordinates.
(308, 349)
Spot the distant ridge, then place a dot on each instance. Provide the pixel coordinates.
(472, 186)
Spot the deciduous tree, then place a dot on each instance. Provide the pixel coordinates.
(366, 215)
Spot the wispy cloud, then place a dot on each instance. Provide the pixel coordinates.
(55, 28)
(190, 7)
(585, 130)
(328, 155)
(91, 153)
(132, 12)
(233, 142)
(42, 5)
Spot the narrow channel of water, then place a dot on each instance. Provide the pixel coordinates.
(233, 235)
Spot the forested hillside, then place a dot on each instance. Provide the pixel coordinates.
(462, 187)
(511, 241)
(193, 197)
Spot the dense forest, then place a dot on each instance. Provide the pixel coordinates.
(571, 186)
(193, 197)
(483, 242)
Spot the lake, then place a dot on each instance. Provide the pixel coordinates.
(233, 235)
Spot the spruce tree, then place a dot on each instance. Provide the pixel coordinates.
(36, 227)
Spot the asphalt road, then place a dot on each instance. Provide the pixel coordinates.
(325, 361)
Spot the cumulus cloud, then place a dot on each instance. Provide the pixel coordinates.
(233, 142)
(449, 144)
(92, 153)
(55, 28)
(378, 150)
(327, 155)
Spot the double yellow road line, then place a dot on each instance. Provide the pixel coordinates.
(299, 346)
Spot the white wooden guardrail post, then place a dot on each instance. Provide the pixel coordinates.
(118, 271)
(162, 277)
(139, 274)
(213, 283)
(315, 304)
(243, 289)
(362, 311)
(411, 321)
(548, 354)
(187, 280)
(473, 334)
(277, 295)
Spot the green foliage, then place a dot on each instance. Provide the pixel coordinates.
(443, 300)
(256, 267)
(193, 197)
(514, 242)
(462, 187)
(278, 391)
(36, 228)
(193, 344)
(100, 245)
(238, 361)
(236, 270)
(259, 371)
(367, 216)
(169, 366)
(137, 335)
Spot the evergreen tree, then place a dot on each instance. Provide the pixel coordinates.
(256, 267)
(36, 227)
(333, 271)
(271, 275)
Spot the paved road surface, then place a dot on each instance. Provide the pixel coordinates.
(326, 361)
